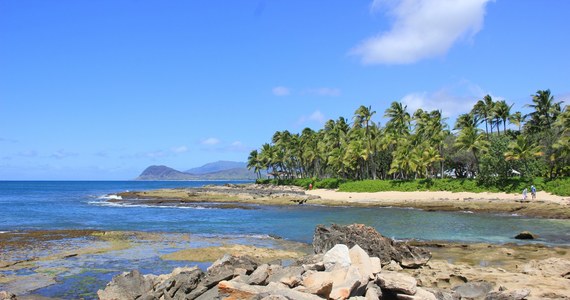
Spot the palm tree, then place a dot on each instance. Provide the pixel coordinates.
(254, 162)
(483, 110)
(501, 112)
(545, 111)
(471, 140)
(399, 123)
(362, 117)
(523, 150)
(517, 118)
(466, 120)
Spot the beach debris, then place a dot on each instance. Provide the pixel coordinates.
(372, 242)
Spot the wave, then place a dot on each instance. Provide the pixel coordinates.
(114, 204)
(110, 197)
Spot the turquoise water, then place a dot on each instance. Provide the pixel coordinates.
(29, 205)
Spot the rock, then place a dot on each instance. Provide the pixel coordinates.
(349, 286)
(337, 257)
(223, 268)
(473, 289)
(445, 294)
(392, 266)
(128, 285)
(526, 235)
(370, 241)
(259, 276)
(5, 295)
(373, 292)
(318, 283)
(420, 294)
(290, 276)
(180, 285)
(397, 282)
(505, 295)
(360, 259)
(237, 290)
(207, 295)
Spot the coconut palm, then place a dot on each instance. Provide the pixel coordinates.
(253, 162)
(399, 119)
(517, 118)
(501, 113)
(472, 140)
(523, 150)
(545, 111)
(483, 109)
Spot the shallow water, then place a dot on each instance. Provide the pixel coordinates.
(29, 205)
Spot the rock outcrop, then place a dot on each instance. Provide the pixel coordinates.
(375, 244)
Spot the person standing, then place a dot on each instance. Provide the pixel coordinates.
(525, 191)
(533, 192)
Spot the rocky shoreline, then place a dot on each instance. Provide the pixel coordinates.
(379, 269)
(244, 195)
(436, 266)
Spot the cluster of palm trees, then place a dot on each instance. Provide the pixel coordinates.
(421, 145)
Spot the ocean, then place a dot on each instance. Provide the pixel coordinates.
(33, 205)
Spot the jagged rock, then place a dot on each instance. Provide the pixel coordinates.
(290, 276)
(371, 241)
(337, 257)
(207, 295)
(506, 295)
(259, 276)
(349, 286)
(318, 283)
(179, 285)
(397, 282)
(5, 295)
(128, 285)
(310, 259)
(526, 235)
(473, 289)
(363, 262)
(223, 268)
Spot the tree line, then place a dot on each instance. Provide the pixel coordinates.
(481, 144)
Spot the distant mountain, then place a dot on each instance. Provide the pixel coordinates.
(217, 166)
(221, 170)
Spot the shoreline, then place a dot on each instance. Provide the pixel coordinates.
(545, 206)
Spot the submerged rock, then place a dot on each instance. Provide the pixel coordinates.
(375, 244)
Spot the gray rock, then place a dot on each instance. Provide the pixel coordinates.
(237, 290)
(397, 282)
(337, 257)
(445, 294)
(210, 294)
(259, 276)
(290, 276)
(473, 289)
(223, 268)
(373, 291)
(371, 241)
(128, 285)
(420, 294)
(506, 295)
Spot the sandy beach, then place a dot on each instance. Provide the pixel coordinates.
(442, 196)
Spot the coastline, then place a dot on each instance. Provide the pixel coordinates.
(544, 206)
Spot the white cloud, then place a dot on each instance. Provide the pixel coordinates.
(324, 91)
(210, 141)
(155, 154)
(179, 149)
(421, 29)
(452, 101)
(281, 91)
(316, 116)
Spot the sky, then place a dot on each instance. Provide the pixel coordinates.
(100, 90)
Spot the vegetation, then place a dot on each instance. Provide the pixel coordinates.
(489, 148)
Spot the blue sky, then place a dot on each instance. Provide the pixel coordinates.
(103, 89)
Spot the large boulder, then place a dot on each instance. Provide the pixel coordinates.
(223, 268)
(375, 244)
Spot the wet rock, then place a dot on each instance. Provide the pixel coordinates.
(473, 289)
(526, 235)
(371, 241)
(397, 282)
(128, 285)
